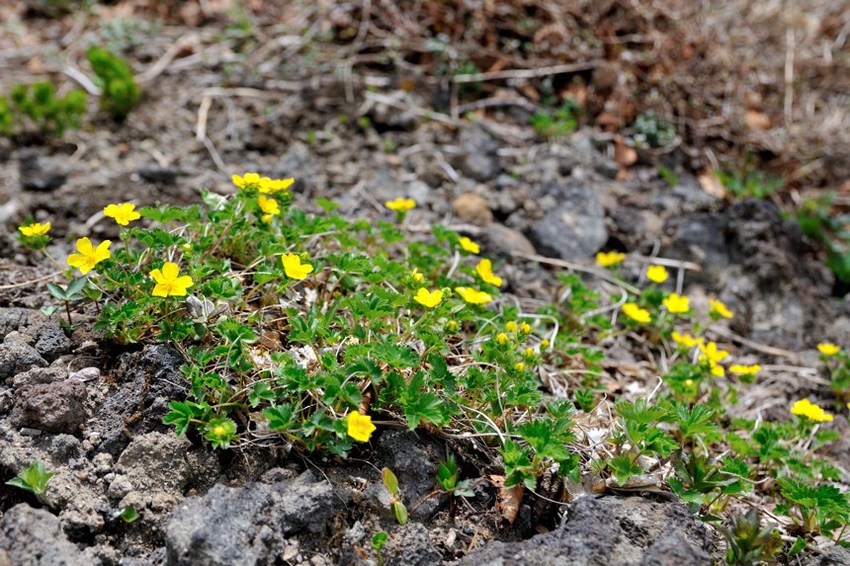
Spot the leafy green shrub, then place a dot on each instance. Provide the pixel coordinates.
(120, 93)
(300, 329)
(38, 103)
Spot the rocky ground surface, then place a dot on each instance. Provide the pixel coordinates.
(92, 411)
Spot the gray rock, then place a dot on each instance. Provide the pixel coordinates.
(33, 536)
(479, 158)
(505, 242)
(64, 447)
(51, 407)
(835, 556)
(149, 380)
(161, 175)
(16, 357)
(609, 531)
(410, 546)
(699, 238)
(40, 375)
(247, 525)
(51, 341)
(156, 462)
(415, 462)
(575, 228)
(471, 207)
(41, 173)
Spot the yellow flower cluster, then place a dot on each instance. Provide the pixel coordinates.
(806, 408)
(262, 184)
(269, 208)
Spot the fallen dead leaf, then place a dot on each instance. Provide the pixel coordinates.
(509, 499)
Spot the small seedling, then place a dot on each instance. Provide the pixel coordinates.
(128, 514)
(560, 122)
(73, 292)
(396, 505)
(379, 539)
(749, 543)
(33, 478)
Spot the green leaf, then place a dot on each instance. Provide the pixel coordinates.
(447, 474)
(379, 539)
(129, 514)
(400, 512)
(76, 286)
(623, 468)
(57, 291)
(33, 478)
(390, 481)
(798, 546)
(182, 414)
(280, 417)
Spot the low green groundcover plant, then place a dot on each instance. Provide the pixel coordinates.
(314, 331)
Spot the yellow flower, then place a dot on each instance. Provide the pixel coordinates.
(469, 245)
(544, 344)
(511, 326)
(169, 282)
(416, 276)
(686, 340)
(719, 308)
(634, 312)
(401, 204)
(89, 256)
(529, 352)
(711, 353)
(745, 370)
(123, 213)
(293, 267)
(717, 370)
(485, 271)
(502, 338)
(451, 326)
(35, 229)
(807, 409)
(473, 296)
(250, 179)
(519, 366)
(271, 186)
(219, 430)
(676, 303)
(269, 208)
(428, 299)
(828, 348)
(525, 328)
(609, 259)
(360, 427)
(657, 274)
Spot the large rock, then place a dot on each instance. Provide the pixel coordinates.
(48, 338)
(51, 407)
(149, 380)
(609, 531)
(247, 525)
(575, 228)
(33, 536)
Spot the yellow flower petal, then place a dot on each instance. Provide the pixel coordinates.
(609, 259)
(828, 348)
(473, 296)
(485, 271)
(634, 312)
(676, 304)
(468, 245)
(429, 299)
(657, 274)
(401, 204)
